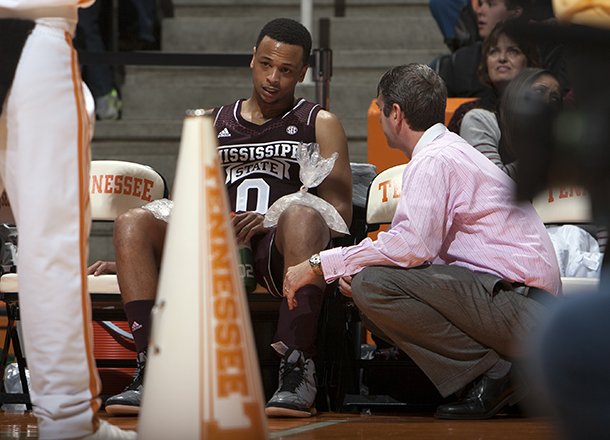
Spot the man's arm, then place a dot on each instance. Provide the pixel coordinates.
(336, 189)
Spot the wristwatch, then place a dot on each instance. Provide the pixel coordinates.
(316, 264)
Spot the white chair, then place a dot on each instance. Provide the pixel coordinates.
(115, 187)
(567, 205)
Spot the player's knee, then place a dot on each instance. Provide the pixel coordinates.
(132, 225)
(299, 216)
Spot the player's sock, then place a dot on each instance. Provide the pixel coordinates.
(138, 316)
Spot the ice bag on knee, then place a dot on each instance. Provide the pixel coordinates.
(314, 169)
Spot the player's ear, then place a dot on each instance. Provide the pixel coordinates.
(303, 72)
(253, 55)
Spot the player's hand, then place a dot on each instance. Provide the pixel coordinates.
(246, 225)
(102, 267)
(345, 286)
(297, 277)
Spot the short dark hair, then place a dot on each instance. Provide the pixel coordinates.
(286, 30)
(529, 49)
(420, 93)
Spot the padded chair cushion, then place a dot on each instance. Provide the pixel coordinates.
(384, 194)
(563, 205)
(9, 283)
(571, 285)
(117, 186)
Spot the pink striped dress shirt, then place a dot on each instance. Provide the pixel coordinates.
(456, 207)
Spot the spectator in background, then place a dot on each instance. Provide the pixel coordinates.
(504, 56)
(447, 15)
(459, 70)
(530, 88)
(141, 29)
(99, 77)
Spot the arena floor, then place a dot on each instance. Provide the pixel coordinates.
(350, 426)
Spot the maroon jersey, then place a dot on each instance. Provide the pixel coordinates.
(259, 161)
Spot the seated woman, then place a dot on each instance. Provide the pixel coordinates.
(504, 55)
(532, 89)
(496, 144)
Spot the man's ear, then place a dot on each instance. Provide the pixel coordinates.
(303, 72)
(396, 112)
(253, 55)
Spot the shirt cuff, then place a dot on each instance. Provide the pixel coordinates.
(332, 263)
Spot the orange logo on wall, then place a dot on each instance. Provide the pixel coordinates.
(120, 184)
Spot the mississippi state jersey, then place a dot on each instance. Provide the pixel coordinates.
(259, 161)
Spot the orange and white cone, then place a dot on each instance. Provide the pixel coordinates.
(202, 375)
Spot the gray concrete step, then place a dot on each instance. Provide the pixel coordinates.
(365, 67)
(291, 8)
(164, 93)
(238, 35)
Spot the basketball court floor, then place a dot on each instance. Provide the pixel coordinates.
(351, 426)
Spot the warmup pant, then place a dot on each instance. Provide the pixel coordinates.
(44, 162)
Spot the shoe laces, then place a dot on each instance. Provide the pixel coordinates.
(293, 375)
(138, 378)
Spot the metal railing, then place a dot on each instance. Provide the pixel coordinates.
(320, 62)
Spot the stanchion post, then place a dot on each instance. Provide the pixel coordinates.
(322, 74)
(323, 64)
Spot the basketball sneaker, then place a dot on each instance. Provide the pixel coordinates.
(297, 387)
(107, 431)
(127, 402)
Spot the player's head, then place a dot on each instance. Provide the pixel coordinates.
(285, 30)
(279, 61)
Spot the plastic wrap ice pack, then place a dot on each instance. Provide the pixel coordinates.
(314, 169)
(161, 208)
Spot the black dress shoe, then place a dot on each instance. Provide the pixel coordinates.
(484, 399)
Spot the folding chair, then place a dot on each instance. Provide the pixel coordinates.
(379, 388)
(115, 187)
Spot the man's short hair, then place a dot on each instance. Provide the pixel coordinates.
(286, 30)
(418, 90)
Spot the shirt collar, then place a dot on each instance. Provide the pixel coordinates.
(429, 136)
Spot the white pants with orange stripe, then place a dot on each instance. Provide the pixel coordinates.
(44, 162)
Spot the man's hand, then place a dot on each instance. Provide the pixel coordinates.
(345, 286)
(246, 225)
(102, 267)
(297, 277)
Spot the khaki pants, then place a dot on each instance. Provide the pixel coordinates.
(454, 323)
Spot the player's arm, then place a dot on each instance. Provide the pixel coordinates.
(336, 189)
